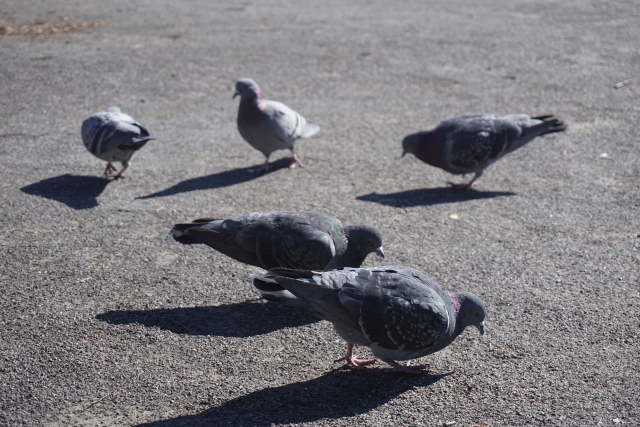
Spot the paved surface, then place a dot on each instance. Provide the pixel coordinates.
(104, 320)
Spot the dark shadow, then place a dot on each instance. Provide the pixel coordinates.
(218, 180)
(77, 192)
(430, 196)
(244, 319)
(336, 394)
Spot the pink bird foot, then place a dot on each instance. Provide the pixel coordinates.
(351, 358)
(265, 167)
(295, 162)
(109, 169)
(467, 185)
(115, 174)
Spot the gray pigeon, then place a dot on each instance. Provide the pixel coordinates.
(301, 240)
(269, 125)
(113, 136)
(471, 142)
(398, 312)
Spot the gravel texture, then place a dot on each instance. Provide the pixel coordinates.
(105, 320)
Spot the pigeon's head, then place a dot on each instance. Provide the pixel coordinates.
(247, 89)
(470, 310)
(410, 144)
(423, 145)
(113, 110)
(365, 239)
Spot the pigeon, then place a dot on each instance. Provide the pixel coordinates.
(113, 136)
(269, 125)
(471, 142)
(302, 240)
(398, 312)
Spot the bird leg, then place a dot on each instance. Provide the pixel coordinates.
(265, 167)
(295, 161)
(409, 369)
(351, 358)
(109, 169)
(115, 174)
(469, 184)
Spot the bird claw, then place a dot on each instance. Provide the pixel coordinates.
(265, 167)
(356, 363)
(461, 187)
(109, 169)
(116, 175)
(467, 185)
(351, 358)
(295, 162)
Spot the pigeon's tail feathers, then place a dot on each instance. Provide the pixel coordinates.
(135, 144)
(213, 234)
(322, 299)
(309, 130)
(180, 231)
(265, 278)
(293, 274)
(271, 291)
(305, 290)
(142, 139)
(550, 124)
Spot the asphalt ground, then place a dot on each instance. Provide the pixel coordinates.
(106, 321)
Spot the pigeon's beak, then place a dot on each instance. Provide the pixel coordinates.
(380, 252)
(403, 153)
(481, 327)
(236, 93)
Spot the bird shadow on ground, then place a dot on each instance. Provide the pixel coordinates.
(336, 394)
(430, 196)
(77, 192)
(243, 319)
(218, 180)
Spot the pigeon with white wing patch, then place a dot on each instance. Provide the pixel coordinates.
(113, 136)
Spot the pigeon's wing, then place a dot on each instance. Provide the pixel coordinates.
(396, 311)
(287, 125)
(321, 292)
(297, 240)
(108, 130)
(476, 140)
(125, 134)
(300, 248)
(95, 130)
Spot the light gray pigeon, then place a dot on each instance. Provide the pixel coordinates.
(113, 136)
(398, 312)
(471, 142)
(301, 240)
(269, 125)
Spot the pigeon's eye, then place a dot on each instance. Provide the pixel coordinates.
(367, 241)
(477, 314)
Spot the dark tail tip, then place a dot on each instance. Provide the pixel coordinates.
(558, 125)
(179, 234)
